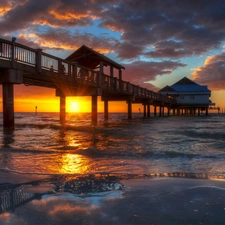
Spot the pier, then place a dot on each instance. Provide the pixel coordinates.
(20, 64)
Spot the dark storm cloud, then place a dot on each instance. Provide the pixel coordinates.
(23, 14)
(63, 39)
(127, 50)
(193, 23)
(140, 72)
(162, 29)
(212, 73)
(197, 25)
(53, 13)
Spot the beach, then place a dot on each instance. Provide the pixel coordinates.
(135, 201)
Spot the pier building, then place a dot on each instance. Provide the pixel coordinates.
(190, 96)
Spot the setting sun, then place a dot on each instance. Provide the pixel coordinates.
(74, 107)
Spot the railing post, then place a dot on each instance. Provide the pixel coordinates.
(99, 80)
(128, 87)
(74, 69)
(100, 74)
(69, 69)
(13, 52)
(60, 66)
(120, 80)
(38, 60)
(111, 77)
(115, 84)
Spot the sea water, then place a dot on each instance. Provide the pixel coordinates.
(170, 146)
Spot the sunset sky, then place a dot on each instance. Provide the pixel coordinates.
(157, 41)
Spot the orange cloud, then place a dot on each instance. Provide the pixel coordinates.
(114, 28)
(67, 209)
(4, 10)
(68, 16)
(212, 72)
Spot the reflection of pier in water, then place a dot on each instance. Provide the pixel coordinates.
(14, 197)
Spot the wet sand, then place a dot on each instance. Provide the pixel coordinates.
(139, 201)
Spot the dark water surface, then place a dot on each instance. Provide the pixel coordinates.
(79, 169)
(141, 146)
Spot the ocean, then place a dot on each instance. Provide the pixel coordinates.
(160, 170)
(157, 146)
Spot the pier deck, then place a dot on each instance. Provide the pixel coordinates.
(20, 64)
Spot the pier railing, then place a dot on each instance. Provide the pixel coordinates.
(13, 198)
(15, 52)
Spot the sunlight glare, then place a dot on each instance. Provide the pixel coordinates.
(74, 107)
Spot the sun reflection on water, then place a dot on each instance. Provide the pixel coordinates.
(74, 163)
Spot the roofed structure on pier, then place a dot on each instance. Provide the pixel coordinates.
(188, 93)
(91, 59)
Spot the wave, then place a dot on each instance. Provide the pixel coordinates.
(212, 134)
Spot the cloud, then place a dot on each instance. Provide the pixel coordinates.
(142, 72)
(125, 50)
(62, 39)
(29, 13)
(212, 73)
(165, 30)
(192, 24)
(156, 29)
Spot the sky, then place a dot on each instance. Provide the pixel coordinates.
(157, 41)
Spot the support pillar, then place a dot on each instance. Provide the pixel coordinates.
(154, 110)
(168, 111)
(144, 110)
(106, 110)
(182, 112)
(94, 109)
(8, 105)
(174, 113)
(129, 103)
(62, 109)
(206, 111)
(148, 111)
(160, 110)
(198, 111)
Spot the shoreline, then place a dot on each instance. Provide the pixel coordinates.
(158, 200)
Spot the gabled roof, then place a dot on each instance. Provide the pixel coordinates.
(187, 85)
(89, 58)
(189, 88)
(167, 89)
(185, 80)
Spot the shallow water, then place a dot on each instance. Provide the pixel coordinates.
(75, 174)
(175, 144)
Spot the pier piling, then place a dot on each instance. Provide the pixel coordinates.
(94, 109)
(62, 109)
(8, 105)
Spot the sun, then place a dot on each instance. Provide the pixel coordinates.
(74, 107)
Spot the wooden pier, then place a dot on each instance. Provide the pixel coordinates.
(20, 64)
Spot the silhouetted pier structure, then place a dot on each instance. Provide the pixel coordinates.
(10, 199)
(81, 74)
